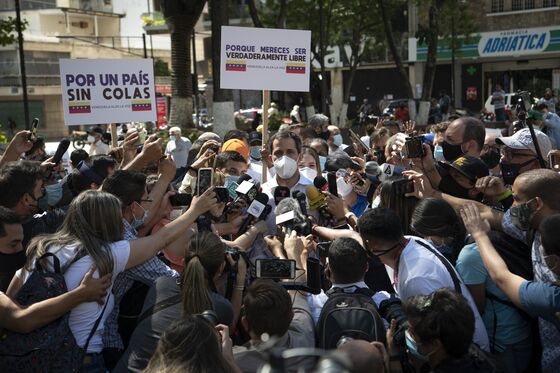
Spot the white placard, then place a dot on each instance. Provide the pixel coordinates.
(265, 59)
(107, 91)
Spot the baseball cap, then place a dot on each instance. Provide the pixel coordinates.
(471, 167)
(98, 130)
(236, 145)
(255, 138)
(522, 140)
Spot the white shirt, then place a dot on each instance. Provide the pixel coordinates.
(84, 315)
(420, 272)
(99, 148)
(255, 171)
(179, 150)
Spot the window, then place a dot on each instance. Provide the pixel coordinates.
(497, 6)
(548, 3)
(522, 4)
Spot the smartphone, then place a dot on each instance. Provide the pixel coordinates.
(554, 160)
(276, 268)
(180, 199)
(204, 180)
(403, 186)
(413, 147)
(358, 141)
(34, 125)
(331, 178)
(222, 194)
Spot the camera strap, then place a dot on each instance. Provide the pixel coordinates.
(445, 262)
(159, 306)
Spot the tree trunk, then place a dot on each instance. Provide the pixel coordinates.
(308, 103)
(223, 98)
(393, 48)
(432, 40)
(181, 78)
(347, 89)
(254, 14)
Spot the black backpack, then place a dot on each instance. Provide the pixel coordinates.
(353, 315)
(51, 348)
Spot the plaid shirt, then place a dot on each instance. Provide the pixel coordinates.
(146, 273)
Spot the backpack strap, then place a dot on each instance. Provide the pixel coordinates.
(95, 325)
(56, 263)
(445, 262)
(159, 306)
(337, 290)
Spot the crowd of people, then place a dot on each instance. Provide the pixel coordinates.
(401, 249)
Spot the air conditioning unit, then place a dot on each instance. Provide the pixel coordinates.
(14, 91)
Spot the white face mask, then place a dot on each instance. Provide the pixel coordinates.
(285, 167)
(344, 189)
(322, 162)
(337, 139)
(90, 139)
(309, 173)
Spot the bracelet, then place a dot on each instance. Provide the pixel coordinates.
(504, 195)
(239, 288)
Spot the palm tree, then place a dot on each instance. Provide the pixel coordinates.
(181, 17)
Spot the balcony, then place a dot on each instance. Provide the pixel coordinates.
(102, 7)
(154, 23)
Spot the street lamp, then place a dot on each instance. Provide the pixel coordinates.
(322, 48)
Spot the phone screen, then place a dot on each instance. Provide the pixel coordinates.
(276, 268)
(34, 126)
(204, 180)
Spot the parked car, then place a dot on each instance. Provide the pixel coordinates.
(390, 109)
(510, 103)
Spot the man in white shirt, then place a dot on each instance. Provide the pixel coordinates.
(418, 268)
(335, 140)
(285, 153)
(97, 146)
(178, 147)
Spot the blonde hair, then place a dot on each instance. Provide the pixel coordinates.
(92, 223)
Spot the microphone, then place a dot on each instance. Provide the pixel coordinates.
(316, 198)
(63, 146)
(302, 200)
(280, 193)
(259, 209)
(245, 190)
(321, 183)
(373, 169)
(289, 215)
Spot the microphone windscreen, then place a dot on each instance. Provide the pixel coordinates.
(280, 193)
(321, 183)
(63, 146)
(287, 205)
(316, 198)
(244, 177)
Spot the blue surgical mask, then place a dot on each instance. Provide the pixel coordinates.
(322, 162)
(231, 184)
(412, 347)
(138, 222)
(255, 153)
(54, 193)
(438, 153)
(337, 139)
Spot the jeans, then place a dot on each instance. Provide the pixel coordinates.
(500, 114)
(516, 357)
(94, 363)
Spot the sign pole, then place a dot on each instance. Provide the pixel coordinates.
(266, 104)
(114, 140)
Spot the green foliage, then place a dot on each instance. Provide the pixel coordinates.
(161, 68)
(8, 30)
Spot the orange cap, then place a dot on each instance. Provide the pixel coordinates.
(236, 145)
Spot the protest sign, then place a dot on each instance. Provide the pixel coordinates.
(265, 59)
(107, 91)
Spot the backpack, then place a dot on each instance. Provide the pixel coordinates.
(51, 348)
(353, 315)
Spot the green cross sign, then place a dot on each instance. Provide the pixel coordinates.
(471, 70)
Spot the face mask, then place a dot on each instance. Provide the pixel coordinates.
(285, 167)
(322, 162)
(337, 139)
(491, 158)
(511, 170)
(443, 248)
(413, 347)
(54, 193)
(255, 153)
(12, 262)
(344, 189)
(438, 153)
(138, 222)
(309, 173)
(380, 154)
(90, 139)
(231, 184)
(324, 135)
(522, 214)
(448, 185)
(451, 151)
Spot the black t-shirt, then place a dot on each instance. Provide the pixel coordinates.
(148, 332)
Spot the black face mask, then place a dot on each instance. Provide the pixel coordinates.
(380, 154)
(449, 186)
(491, 158)
(511, 170)
(324, 135)
(451, 151)
(10, 263)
